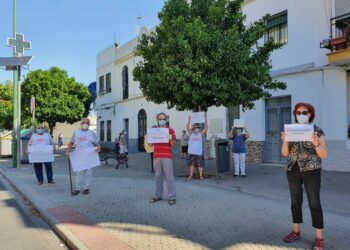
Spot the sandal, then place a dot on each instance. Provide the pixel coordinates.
(154, 200)
(172, 202)
(189, 177)
(201, 177)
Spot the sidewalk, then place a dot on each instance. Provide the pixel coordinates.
(229, 213)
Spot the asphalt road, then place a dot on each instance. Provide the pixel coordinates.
(20, 227)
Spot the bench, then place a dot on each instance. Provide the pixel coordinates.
(106, 154)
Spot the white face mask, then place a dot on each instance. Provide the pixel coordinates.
(85, 126)
(303, 119)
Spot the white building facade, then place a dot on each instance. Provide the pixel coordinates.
(315, 75)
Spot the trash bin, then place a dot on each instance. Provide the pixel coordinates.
(5, 143)
(25, 136)
(222, 155)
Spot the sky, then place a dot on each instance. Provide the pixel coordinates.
(70, 33)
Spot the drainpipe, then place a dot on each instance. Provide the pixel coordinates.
(323, 99)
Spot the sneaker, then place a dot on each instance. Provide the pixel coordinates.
(293, 236)
(75, 192)
(40, 183)
(52, 182)
(154, 200)
(86, 191)
(244, 176)
(319, 244)
(236, 175)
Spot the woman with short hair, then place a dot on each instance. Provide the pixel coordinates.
(41, 137)
(304, 162)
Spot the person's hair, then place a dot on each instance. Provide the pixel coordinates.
(85, 119)
(309, 108)
(196, 125)
(162, 113)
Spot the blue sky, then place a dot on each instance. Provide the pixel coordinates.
(70, 33)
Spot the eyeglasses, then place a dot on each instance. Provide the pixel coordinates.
(302, 112)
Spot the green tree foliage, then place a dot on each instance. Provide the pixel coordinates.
(58, 97)
(6, 105)
(202, 55)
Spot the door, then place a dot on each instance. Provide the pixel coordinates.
(278, 113)
(126, 127)
(142, 129)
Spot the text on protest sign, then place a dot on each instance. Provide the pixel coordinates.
(157, 135)
(298, 132)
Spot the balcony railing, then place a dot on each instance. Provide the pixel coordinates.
(340, 34)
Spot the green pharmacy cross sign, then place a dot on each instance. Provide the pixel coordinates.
(19, 44)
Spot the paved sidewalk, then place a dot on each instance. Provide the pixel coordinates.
(231, 213)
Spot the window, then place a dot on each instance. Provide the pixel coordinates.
(108, 83)
(232, 114)
(102, 131)
(277, 28)
(109, 131)
(101, 85)
(125, 80)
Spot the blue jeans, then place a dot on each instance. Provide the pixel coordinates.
(38, 167)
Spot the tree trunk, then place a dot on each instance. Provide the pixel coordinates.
(52, 126)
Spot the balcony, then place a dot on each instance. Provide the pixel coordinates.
(339, 41)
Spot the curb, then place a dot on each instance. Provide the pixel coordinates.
(64, 234)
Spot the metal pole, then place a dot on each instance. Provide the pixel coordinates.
(70, 176)
(15, 98)
(19, 118)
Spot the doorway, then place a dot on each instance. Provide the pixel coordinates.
(142, 129)
(278, 112)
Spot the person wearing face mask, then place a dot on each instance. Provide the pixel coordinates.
(304, 162)
(42, 138)
(239, 136)
(195, 147)
(184, 144)
(163, 163)
(83, 137)
(123, 148)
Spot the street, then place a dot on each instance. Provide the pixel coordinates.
(20, 227)
(229, 213)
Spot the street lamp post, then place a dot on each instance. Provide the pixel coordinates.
(19, 45)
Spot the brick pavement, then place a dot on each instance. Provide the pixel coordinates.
(250, 213)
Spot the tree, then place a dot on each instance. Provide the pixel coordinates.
(202, 55)
(58, 97)
(6, 105)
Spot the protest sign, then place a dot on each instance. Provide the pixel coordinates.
(298, 132)
(197, 117)
(157, 135)
(84, 158)
(40, 153)
(238, 123)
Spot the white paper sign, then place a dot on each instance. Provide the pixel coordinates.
(84, 158)
(298, 132)
(239, 123)
(157, 135)
(40, 153)
(197, 117)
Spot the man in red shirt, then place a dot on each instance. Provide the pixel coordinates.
(163, 163)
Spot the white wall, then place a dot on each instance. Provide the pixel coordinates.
(308, 25)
